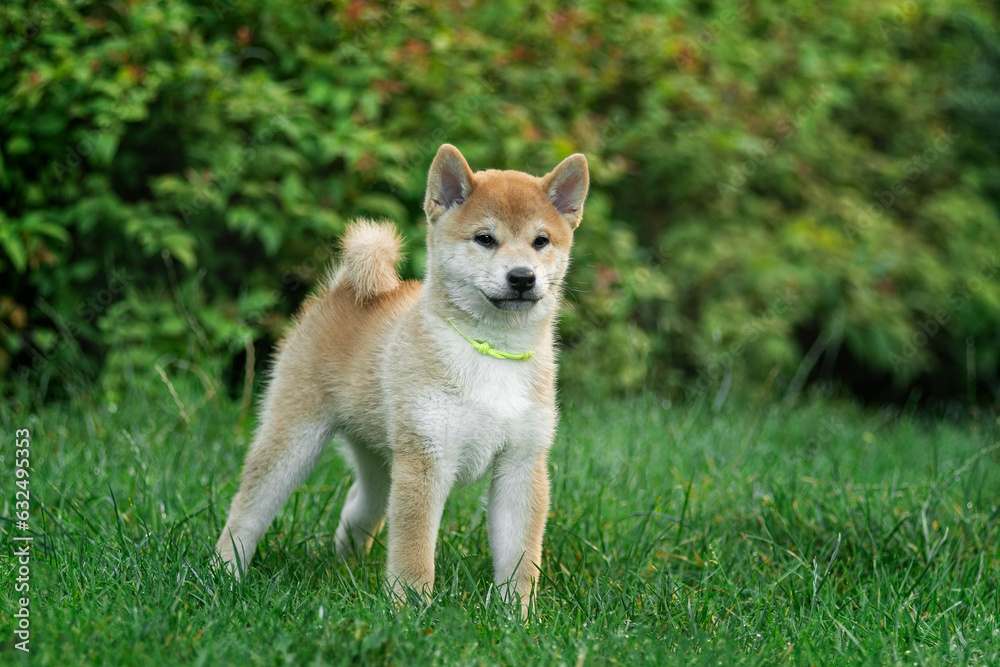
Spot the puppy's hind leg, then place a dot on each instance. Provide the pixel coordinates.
(364, 510)
(283, 454)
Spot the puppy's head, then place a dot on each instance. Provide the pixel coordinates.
(499, 241)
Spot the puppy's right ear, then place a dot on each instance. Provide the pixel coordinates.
(449, 182)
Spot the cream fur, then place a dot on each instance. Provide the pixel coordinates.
(371, 251)
(377, 360)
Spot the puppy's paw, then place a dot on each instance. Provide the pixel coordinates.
(229, 561)
(521, 604)
(406, 594)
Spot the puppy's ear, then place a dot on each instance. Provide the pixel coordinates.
(567, 185)
(449, 182)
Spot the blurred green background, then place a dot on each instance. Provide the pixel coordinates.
(784, 194)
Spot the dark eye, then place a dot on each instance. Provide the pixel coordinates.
(540, 242)
(486, 240)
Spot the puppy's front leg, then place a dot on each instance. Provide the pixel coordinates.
(518, 509)
(417, 495)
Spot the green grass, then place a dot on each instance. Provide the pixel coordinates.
(822, 534)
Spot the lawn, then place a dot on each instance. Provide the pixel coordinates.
(817, 534)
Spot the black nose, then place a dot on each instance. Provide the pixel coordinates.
(522, 279)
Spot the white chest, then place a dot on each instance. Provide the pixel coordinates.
(495, 410)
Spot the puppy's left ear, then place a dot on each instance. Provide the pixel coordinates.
(566, 186)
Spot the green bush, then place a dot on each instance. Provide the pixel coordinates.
(780, 190)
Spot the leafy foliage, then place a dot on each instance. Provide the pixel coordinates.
(779, 189)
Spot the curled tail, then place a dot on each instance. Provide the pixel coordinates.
(368, 263)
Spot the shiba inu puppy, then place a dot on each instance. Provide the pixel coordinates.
(431, 384)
